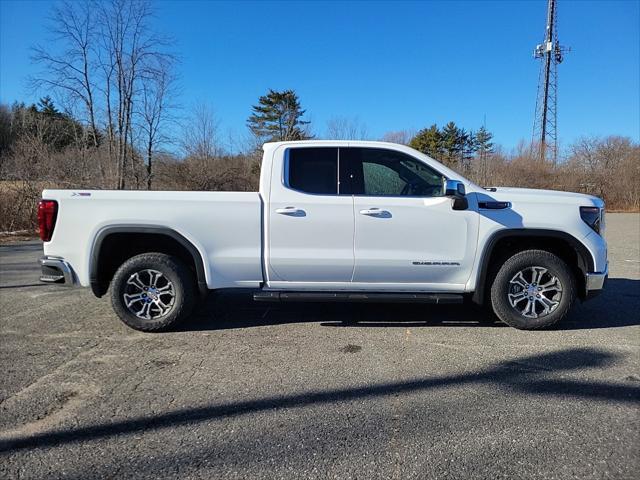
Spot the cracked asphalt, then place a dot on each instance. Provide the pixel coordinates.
(246, 390)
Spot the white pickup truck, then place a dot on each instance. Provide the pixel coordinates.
(333, 221)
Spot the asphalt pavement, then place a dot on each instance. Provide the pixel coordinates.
(249, 390)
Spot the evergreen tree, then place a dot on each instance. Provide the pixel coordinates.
(46, 106)
(453, 142)
(469, 148)
(43, 121)
(452, 145)
(428, 141)
(483, 141)
(278, 117)
(484, 147)
(470, 144)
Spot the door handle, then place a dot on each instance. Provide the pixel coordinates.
(292, 211)
(376, 212)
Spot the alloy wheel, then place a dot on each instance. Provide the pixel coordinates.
(149, 294)
(534, 292)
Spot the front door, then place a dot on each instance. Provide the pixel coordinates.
(310, 225)
(407, 236)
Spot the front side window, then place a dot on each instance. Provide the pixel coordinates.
(380, 172)
(312, 170)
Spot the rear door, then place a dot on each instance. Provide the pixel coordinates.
(310, 231)
(407, 236)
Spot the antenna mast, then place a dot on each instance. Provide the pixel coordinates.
(545, 134)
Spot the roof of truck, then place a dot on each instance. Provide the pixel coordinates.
(333, 142)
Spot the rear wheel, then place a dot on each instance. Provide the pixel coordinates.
(533, 289)
(153, 292)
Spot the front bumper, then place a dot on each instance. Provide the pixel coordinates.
(595, 281)
(56, 270)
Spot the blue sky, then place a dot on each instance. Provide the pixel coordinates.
(394, 65)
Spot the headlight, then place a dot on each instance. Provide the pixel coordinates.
(594, 217)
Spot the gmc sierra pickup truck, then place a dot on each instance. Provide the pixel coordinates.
(333, 221)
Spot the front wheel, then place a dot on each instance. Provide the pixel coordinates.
(153, 292)
(533, 289)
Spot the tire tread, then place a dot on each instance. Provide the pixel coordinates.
(503, 309)
(184, 282)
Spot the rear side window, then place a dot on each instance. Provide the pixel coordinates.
(312, 170)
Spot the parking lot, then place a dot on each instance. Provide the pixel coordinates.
(318, 391)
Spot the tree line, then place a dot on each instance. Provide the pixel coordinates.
(453, 145)
(42, 146)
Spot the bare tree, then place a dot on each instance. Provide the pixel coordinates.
(131, 46)
(345, 128)
(156, 111)
(608, 167)
(403, 137)
(121, 30)
(200, 133)
(206, 164)
(71, 72)
(113, 63)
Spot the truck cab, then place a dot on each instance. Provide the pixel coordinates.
(364, 217)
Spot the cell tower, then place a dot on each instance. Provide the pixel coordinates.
(545, 134)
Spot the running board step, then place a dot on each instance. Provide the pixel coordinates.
(441, 298)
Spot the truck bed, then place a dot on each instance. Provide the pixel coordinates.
(225, 227)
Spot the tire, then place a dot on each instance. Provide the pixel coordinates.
(533, 289)
(160, 304)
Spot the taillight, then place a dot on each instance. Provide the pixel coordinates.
(47, 212)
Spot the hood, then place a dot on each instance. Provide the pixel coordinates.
(532, 195)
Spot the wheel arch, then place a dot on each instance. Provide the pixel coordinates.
(136, 239)
(569, 248)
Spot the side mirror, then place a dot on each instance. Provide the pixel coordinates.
(454, 189)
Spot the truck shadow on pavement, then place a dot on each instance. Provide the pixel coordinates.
(540, 375)
(617, 306)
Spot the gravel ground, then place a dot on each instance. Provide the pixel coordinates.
(301, 391)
